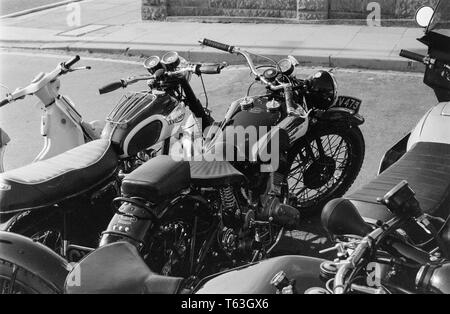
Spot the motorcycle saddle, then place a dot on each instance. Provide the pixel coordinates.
(117, 268)
(214, 173)
(162, 177)
(426, 168)
(50, 181)
(157, 179)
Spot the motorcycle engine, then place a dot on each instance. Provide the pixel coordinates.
(235, 222)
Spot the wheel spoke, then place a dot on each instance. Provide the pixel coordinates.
(12, 280)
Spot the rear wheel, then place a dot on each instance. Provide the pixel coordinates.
(324, 165)
(17, 280)
(174, 247)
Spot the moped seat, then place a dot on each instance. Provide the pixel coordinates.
(426, 168)
(118, 268)
(53, 180)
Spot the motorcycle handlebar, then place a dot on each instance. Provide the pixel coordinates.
(72, 61)
(217, 45)
(210, 69)
(110, 87)
(4, 102)
(412, 56)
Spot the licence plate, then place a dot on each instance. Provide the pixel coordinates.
(349, 103)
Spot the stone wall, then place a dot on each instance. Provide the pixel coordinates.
(283, 9)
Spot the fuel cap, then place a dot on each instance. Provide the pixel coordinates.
(246, 103)
(273, 106)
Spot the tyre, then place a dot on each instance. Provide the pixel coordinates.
(324, 165)
(16, 280)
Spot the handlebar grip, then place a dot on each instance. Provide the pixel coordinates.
(412, 56)
(110, 87)
(72, 61)
(210, 68)
(4, 102)
(217, 45)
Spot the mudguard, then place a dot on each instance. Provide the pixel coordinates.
(394, 154)
(257, 277)
(433, 127)
(4, 138)
(341, 115)
(34, 257)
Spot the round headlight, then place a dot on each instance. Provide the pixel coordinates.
(322, 90)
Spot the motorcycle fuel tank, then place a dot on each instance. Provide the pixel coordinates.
(433, 127)
(139, 121)
(258, 277)
(247, 121)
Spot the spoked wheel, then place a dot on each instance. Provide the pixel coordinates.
(175, 247)
(324, 166)
(17, 280)
(170, 249)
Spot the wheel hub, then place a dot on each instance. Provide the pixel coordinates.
(319, 172)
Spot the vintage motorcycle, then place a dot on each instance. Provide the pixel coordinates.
(65, 201)
(197, 217)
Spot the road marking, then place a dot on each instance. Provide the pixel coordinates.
(232, 67)
(38, 9)
(50, 55)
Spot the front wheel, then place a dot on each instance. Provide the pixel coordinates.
(324, 165)
(17, 280)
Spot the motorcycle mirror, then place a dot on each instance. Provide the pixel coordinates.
(424, 16)
(340, 217)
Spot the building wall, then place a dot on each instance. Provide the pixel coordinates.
(286, 9)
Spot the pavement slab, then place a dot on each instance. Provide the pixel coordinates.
(124, 31)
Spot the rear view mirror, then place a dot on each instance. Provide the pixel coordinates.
(424, 16)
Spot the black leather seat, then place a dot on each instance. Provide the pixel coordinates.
(157, 179)
(53, 180)
(214, 173)
(118, 269)
(426, 168)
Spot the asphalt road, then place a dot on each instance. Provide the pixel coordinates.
(392, 102)
(12, 6)
(392, 105)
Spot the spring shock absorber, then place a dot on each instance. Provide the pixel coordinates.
(229, 203)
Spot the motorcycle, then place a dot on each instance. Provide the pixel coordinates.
(196, 217)
(65, 201)
(370, 260)
(422, 157)
(62, 127)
